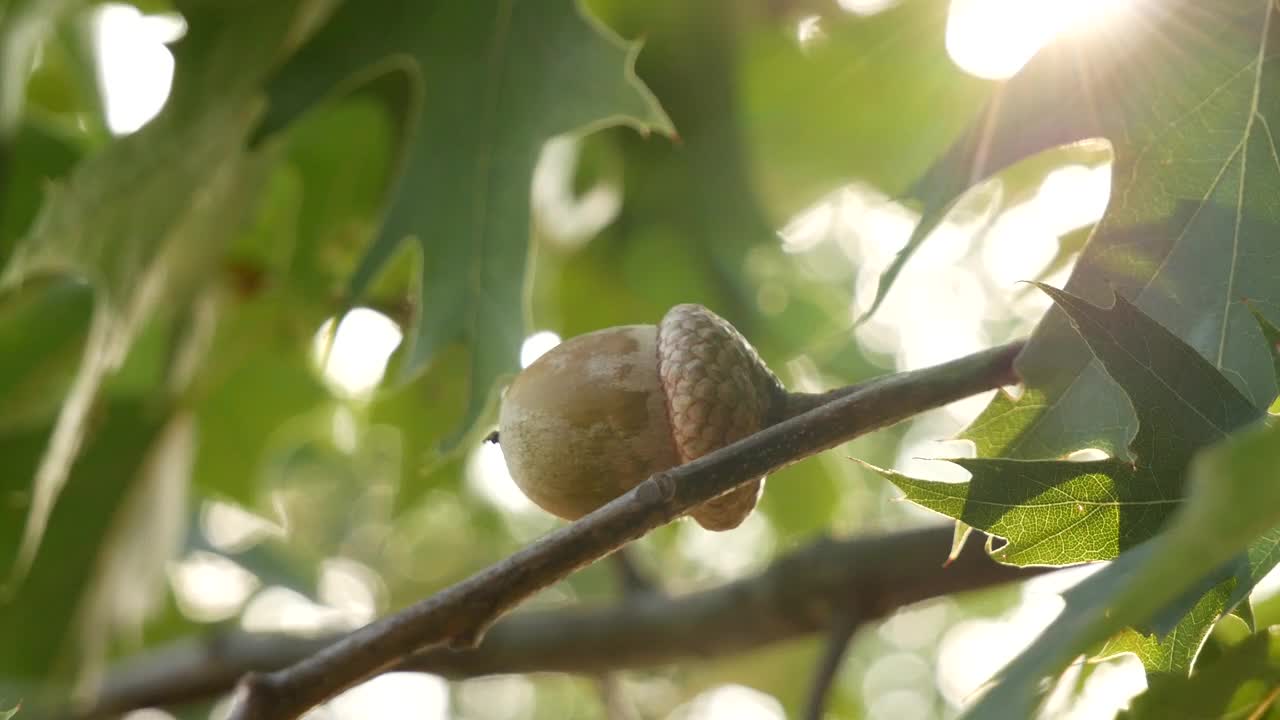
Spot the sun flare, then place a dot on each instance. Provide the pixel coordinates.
(995, 38)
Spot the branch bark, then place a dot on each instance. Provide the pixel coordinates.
(851, 581)
(459, 615)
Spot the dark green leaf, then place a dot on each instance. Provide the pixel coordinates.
(500, 78)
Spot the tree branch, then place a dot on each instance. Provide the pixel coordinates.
(459, 615)
(857, 580)
(839, 635)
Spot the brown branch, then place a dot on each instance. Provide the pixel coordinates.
(838, 638)
(632, 579)
(459, 615)
(858, 580)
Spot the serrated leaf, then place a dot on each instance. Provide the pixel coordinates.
(1234, 499)
(500, 78)
(1181, 90)
(142, 257)
(1249, 568)
(1049, 512)
(1171, 653)
(1058, 512)
(1240, 684)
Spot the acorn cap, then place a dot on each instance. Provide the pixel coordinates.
(718, 391)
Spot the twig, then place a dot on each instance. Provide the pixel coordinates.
(838, 639)
(859, 579)
(632, 580)
(459, 615)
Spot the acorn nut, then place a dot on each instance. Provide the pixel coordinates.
(601, 412)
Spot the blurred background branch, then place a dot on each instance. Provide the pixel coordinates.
(858, 580)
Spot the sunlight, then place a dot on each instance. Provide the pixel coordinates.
(497, 697)
(918, 626)
(355, 358)
(148, 714)
(995, 38)
(231, 528)
(488, 477)
(972, 651)
(731, 702)
(351, 588)
(808, 30)
(568, 217)
(280, 609)
(866, 7)
(744, 549)
(536, 345)
(891, 687)
(393, 696)
(134, 66)
(210, 587)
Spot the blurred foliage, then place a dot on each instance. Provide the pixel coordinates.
(1239, 684)
(1231, 504)
(171, 299)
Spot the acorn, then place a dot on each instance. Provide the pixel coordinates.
(601, 412)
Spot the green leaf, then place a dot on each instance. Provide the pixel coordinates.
(1271, 334)
(41, 153)
(343, 188)
(1057, 512)
(1185, 94)
(21, 449)
(1234, 499)
(23, 25)
(423, 412)
(269, 373)
(1171, 654)
(807, 111)
(42, 333)
(105, 515)
(1049, 512)
(1240, 684)
(500, 78)
(145, 257)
